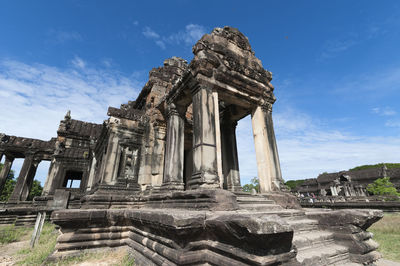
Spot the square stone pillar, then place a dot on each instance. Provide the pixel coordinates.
(230, 161)
(174, 151)
(111, 159)
(5, 171)
(157, 160)
(205, 169)
(25, 179)
(268, 166)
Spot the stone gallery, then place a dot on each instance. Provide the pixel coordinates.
(161, 174)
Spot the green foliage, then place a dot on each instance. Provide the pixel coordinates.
(10, 175)
(383, 187)
(254, 184)
(36, 190)
(369, 166)
(7, 190)
(9, 186)
(12, 233)
(294, 183)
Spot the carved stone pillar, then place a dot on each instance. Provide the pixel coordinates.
(230, 161)
(269, 170)
(111, 159)
(5, 171)
(157, 161)
(205, 169)
(174, 151)
(25, 179)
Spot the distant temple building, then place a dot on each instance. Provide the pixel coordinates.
(351, 183)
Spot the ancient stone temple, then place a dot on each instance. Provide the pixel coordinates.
(352, 183)
(161, 174)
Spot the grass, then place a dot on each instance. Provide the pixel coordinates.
(45, 246)
(109, 256)
(12, 233)
(387, 234)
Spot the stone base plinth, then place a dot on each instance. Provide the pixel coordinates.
(178, 237)
(216, 199)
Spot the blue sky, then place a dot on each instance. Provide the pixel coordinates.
(335, 64)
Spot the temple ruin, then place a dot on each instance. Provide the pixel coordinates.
(161, 174)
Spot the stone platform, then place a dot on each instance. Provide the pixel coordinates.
(256, 232)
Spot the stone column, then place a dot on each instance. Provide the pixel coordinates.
(5, 171)
(174, 151)
(111, 159)
(218, 140)
(269, 170)
(157, 161)
(25, 179)
(92, 169)
(205, 169)
(230, 161)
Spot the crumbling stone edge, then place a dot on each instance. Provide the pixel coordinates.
(349, 228)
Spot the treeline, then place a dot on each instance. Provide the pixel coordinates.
(369, 166)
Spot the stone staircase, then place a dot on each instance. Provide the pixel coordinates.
(314, 246)
(18, 220)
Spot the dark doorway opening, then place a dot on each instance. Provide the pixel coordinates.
(73, 179)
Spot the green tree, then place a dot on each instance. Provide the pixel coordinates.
(383, 187)
(36, 190)
(8, 185)
(254, 184)
(293, 183)
(7, 190)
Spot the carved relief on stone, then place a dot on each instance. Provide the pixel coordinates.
(129, 162)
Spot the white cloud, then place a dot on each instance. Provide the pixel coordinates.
(39, 95)
(60, 36)
(332, 48)
(393, 123)
(78, 62)
(386, 111)
(307, 149)
(149, 33)
(34, 98)
(161, 44)
(188, 36)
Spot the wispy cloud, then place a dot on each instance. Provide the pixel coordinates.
(393, 123)
(78, 62)
(60, 36)
(332, 48)
(188, 36)
(39, 95)
(386, 111)
(307, 148)
(149, 33)
(374, 85)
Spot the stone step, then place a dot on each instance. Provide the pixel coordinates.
(303, 224)
(283, 213)
(260, 206)
(331, 254)
(254, 199)
(305, 239)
